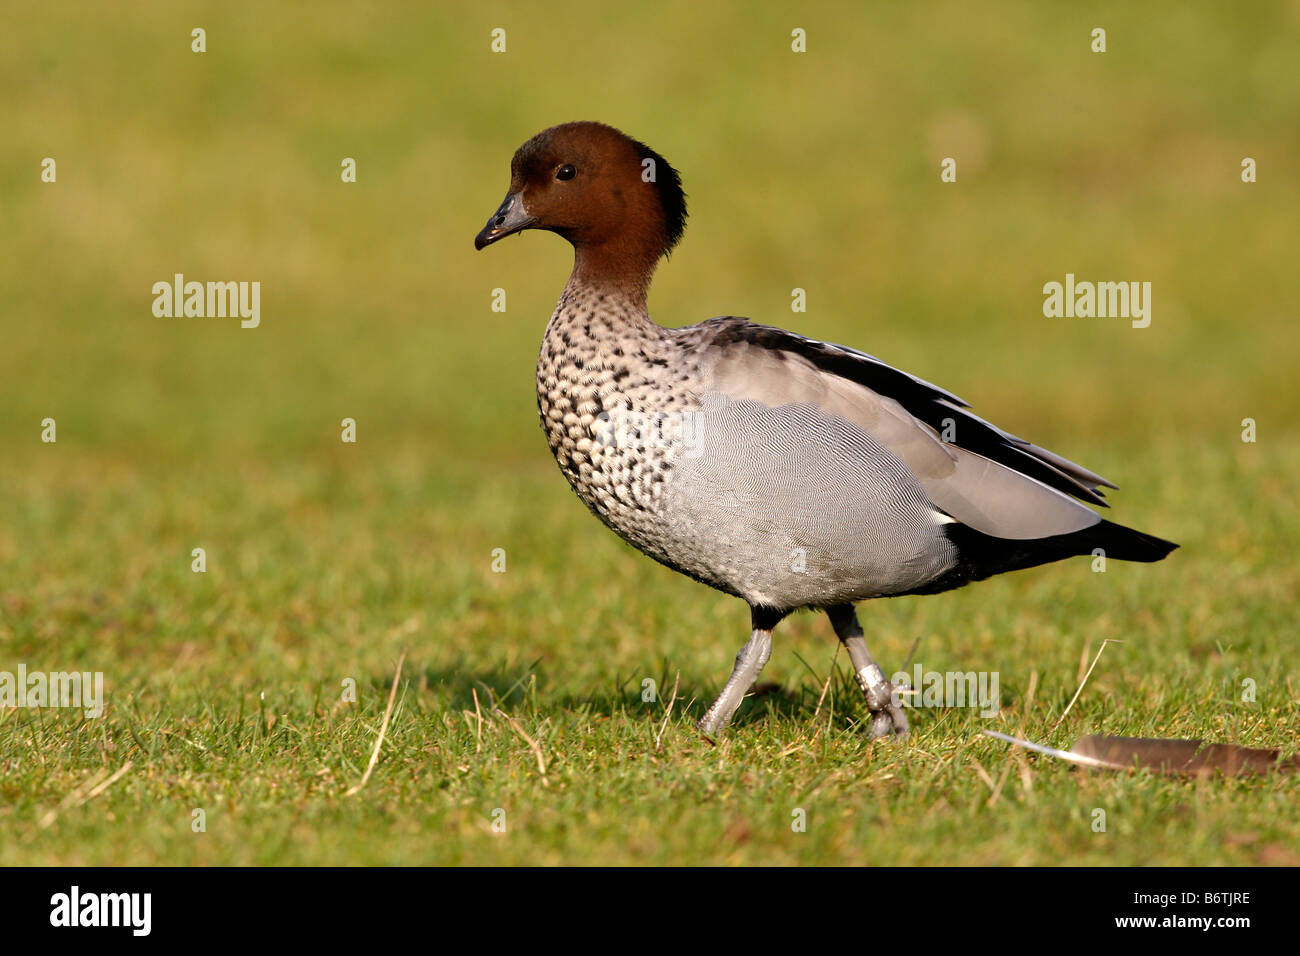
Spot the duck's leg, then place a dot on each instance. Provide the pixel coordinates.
(887, 714)
(749, 664)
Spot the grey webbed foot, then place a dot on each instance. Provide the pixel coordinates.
(887, 717)
(749, 664)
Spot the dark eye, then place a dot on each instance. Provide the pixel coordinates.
(565, 172)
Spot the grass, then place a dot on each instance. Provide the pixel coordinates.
(326, 562)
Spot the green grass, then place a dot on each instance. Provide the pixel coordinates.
(326, 561)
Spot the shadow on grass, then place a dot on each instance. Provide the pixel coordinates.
(522, 689)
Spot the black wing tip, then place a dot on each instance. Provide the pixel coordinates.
(1090, 495)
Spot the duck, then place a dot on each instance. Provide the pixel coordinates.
(788, 472)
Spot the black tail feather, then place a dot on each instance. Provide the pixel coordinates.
(981, 556)
(1126, 544)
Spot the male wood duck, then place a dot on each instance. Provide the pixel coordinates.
(788, 472)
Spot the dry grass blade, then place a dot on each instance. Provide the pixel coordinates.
(669, 712)
(827, 686)
(84, 793)
(912, 653)
(478, 733)
(536, 747)
(997, 791)
(1029, 695)
(1026, 777)
(109, 782)
(1084, 683)
(383, 730)
(984, 775)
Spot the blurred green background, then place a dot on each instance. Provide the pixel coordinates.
(817, 170)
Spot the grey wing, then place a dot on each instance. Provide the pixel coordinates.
(986, 478)
(787, 506)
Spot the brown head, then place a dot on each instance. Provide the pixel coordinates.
(616, 200)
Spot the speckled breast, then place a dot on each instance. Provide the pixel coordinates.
(612, 417)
